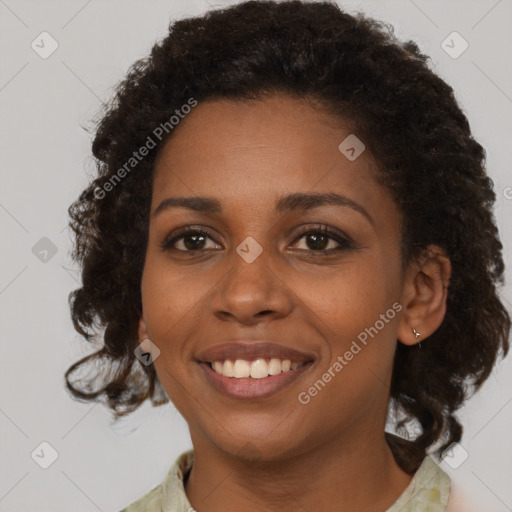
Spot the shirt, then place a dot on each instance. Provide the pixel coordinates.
(428, 490)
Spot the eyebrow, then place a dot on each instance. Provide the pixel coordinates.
(284, 204)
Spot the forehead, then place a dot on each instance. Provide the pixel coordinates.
(246, 152)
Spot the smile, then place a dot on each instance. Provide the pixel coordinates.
(256, 379)
(257, 369)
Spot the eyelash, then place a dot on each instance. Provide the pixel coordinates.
(344, 241)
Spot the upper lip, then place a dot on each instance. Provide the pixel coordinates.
(250, 350)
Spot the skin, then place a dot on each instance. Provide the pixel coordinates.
(265, 454)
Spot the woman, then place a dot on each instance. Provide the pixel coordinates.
(277, 241)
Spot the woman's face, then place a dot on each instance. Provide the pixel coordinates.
(334, 299)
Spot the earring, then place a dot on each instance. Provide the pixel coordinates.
(416, 333)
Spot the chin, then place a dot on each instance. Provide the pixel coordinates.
(257, 448)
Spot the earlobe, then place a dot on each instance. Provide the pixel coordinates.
(424, 296)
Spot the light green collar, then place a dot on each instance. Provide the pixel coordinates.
(428, 490)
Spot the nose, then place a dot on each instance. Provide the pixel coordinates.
(250, 292)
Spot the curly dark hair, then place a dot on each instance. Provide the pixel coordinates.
(411, 123)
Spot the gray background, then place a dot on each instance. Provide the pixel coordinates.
(45, 161)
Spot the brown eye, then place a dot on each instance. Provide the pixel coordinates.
(192, 240)
(318, 240)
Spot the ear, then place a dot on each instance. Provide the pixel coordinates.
(142, 330)
(424, 295)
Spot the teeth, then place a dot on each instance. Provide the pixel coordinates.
(241, 369)
(227, 369)
(257, 369)
(275, 366)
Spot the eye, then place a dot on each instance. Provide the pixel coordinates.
(190, 239)
(317, 239)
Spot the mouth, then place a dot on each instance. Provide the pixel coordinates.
(260, 368)
(253, 370)
(249, 387)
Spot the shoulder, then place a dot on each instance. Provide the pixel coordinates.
(429, 490)
(170, 494)
(151, 502)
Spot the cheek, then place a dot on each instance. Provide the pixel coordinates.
(169, 299)
(169, 308)
(351, 296)
(357, 310)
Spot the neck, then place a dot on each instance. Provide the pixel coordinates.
(336, 475)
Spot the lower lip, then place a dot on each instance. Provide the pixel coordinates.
(248, 388)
